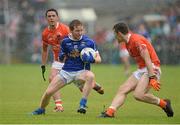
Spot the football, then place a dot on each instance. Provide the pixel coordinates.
(87, 50)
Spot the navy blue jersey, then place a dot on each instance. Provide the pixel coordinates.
(71, 50)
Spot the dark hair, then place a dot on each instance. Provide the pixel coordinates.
(51, 10)
(121, 27)
(74, 23)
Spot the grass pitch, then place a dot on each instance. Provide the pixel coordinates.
(21, 88)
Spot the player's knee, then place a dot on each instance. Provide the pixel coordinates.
(138, 96)
(90, 75)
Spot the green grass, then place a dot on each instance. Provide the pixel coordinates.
(21, 87)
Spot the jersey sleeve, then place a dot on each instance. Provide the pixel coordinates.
(91, 43)
(141, 46)
(62, 52)
(65, 30)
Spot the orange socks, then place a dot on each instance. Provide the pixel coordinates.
(110, 111)
(162, 103)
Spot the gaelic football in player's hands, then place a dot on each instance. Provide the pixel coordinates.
(88, 58)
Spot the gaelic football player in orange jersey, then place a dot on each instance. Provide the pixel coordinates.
(146, 76)
(52, 35)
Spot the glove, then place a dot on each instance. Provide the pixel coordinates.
(154, 83)
(43, 69)
(88, 59)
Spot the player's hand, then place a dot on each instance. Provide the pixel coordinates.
(88, 59)
(154, 83)
(43, 69)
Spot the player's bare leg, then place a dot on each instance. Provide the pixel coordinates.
(53, 87)
(141, 91)
(89, 80)
(120, 97)
(141, 94)
(56, 96)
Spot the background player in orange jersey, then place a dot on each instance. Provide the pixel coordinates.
(124, 57)
(146, 76)
(52, 35)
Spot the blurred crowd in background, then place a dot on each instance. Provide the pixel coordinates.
(22, 30)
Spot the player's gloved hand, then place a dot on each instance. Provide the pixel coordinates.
(154, 83)
(88, 59)
(43, 69)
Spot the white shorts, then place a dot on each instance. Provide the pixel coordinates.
(57, 65)
(70, 77)
(138, 73)
(123, 53)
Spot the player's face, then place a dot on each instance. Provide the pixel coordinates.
(52, 18)
(77, 32)
(119, 37)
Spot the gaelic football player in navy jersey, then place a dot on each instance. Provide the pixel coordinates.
(74, 69)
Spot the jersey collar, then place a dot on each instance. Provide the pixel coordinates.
(71, 37)
(57, 24)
